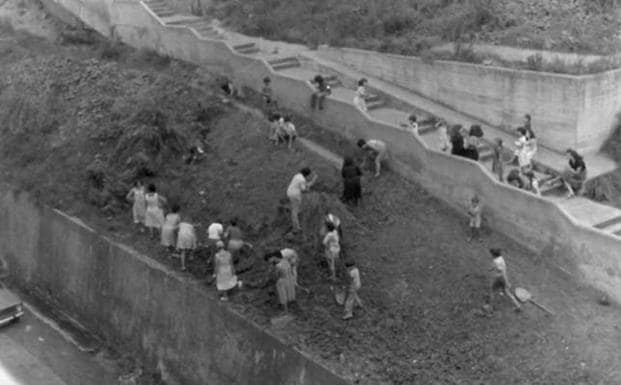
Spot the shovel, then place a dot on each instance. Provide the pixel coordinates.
(524, 295)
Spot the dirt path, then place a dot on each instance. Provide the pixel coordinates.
(423, 284)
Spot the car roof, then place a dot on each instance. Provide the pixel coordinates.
(7, 298)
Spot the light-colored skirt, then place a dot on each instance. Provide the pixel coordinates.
(186, 240)
(285, 288)
(154, 217)
(225, 279)
(168, 236)
(139, 211)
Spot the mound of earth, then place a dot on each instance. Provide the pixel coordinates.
(72, 122)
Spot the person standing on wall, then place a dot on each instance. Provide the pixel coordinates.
(361, 94)
(322, 89)
(300, 183)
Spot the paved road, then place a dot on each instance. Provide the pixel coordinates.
(34, 352)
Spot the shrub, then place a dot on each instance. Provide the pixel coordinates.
(534, 62)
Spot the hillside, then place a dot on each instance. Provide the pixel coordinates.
(411, 27)
(81, 121)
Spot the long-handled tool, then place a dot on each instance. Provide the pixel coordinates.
(524, 295)
(304, 289)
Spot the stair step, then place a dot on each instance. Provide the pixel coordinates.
(614, 228)
(486, 155)
(283, 60)
(426, 128)
(375, 105)
(549, 189)
(243, 46)
(372, 98)
(248, 51)
(165, 13)
(285, 65)
(203, 28)
(608, 223)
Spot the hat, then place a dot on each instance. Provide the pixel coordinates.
(219, 244)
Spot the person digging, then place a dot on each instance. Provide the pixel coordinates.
(499, 280)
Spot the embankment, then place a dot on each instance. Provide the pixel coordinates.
(139, 304)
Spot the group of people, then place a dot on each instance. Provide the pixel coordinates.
(178, 234)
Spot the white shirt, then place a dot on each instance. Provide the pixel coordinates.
(215, 231)
(376, 145)
(354, 274)
(290, 129)
(297, 185)
(500, 266)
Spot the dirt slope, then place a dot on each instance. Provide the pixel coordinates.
(67, 112)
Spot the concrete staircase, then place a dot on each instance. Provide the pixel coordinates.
(392, 104)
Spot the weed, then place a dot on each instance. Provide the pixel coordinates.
(111, 50)
(152, 57)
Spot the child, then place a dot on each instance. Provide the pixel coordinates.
(267, 93)
(285, 283)
(186, 241)
(171, 224)
(498, 166)
(375, 150)
(139, 208)
(443, 136)
(474, 212)
(276, 127)
(154, 215)
(352, 293)
(499, 278)
(289, 132)
(413, 124)
(224, 272)
(361, 94)
(332, 248)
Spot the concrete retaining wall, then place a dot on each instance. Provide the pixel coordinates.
(515, 54)
(590, 255)
(565, 114)
(137, 302)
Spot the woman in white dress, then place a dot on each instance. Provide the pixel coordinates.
(224, 271)
(171, 224)
(361, 94)
(186, 241)
(154, 216)
(139, 208)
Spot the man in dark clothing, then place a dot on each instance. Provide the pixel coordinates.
(322, 90)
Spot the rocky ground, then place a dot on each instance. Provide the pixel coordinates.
(81, 121)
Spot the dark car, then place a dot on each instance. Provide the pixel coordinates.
(11, 307)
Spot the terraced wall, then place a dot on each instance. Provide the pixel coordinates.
(568, 111)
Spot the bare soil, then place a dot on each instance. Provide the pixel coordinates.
(423, 284)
